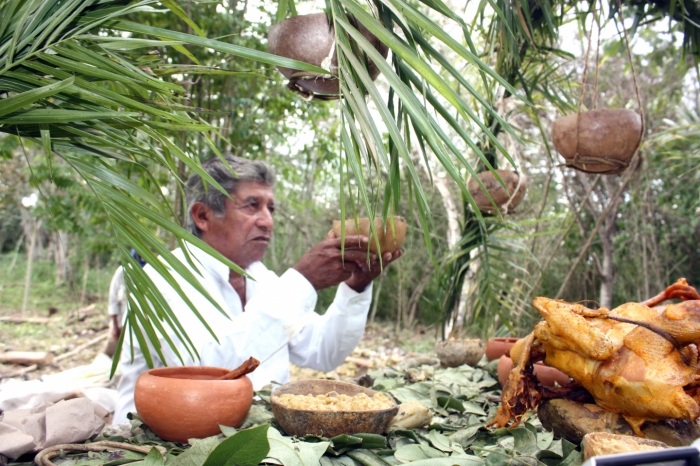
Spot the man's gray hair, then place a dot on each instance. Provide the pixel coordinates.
(243, 170)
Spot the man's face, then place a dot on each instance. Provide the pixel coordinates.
(243, 233)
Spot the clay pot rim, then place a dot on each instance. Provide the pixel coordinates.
(274, 395)
(171, 373)
(538, 363)
(504, 339)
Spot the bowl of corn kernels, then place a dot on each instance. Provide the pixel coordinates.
(328, 408)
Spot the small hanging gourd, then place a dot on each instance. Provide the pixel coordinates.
(309, 38)
(601, 141)
(598, 141)
(506, 201)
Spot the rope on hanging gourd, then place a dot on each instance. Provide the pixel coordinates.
(634, 78)
(579, 162)
(305, 75)
(574, 162)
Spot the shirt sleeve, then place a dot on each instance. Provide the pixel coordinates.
(326, 340)
(114, 304)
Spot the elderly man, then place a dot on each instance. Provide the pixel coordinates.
(270, 318)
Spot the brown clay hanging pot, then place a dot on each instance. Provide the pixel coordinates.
(505, 200)
(598, 141)
(309, 38)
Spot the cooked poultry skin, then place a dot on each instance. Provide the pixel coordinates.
(633, 360)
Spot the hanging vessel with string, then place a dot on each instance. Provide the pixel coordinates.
(601, 141)
(505, 200)
(311, 39)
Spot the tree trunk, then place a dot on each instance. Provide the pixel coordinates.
(61, 255)
(606, 234)
(412, 308)
(453, 235)
(607, 273)
(16, 253)
(86, 270)
(30, 262)
(375, 303)
(451, 210)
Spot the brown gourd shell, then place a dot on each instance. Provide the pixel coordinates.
(453, 353)
(607, 139)
(499, 195)
(309, 38)
(390, 239)
(301, 422)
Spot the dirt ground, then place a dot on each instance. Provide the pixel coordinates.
(65, 331)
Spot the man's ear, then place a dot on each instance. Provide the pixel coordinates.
(202, 215)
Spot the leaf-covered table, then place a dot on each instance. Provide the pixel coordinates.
(461, 399)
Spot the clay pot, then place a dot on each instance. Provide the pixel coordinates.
(389, 240)
(499, 195)
(545, 375)
(309, 38)
(301, 422)
(497, 347)
(607, 139)
(453, 353)
(180, 403)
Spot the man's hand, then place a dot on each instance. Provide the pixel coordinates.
(324, 265)
(366, 273)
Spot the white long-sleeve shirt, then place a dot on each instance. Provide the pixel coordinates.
(117, 295)
(279, 325)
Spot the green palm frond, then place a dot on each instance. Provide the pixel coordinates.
(76, 94)
(71, 83)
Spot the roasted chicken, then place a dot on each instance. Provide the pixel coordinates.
(635, 360)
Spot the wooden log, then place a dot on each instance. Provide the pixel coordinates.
(77, 350)
(27, 320)
(61, 357)
(573, 421)
(359, 362)
(26, 358)
(604, 443)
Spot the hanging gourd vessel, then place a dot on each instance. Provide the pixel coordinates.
(311, 39)
(598, 141)
(601, 141)
(506, 200)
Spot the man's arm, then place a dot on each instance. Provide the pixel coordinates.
(325, 341)
(115, 302)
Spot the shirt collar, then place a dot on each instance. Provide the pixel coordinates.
(203, 261)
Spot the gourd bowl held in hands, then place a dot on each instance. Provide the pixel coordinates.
(389, 239)
(180, 403)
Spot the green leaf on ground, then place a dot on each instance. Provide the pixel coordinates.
(447, 402)
(409, 453)
(289, 453)
(465, 437)
(247, 447)
(440, 441)
(452, 461)
(153, 458)
(198, 452)
(473, 408)
(525, 441)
